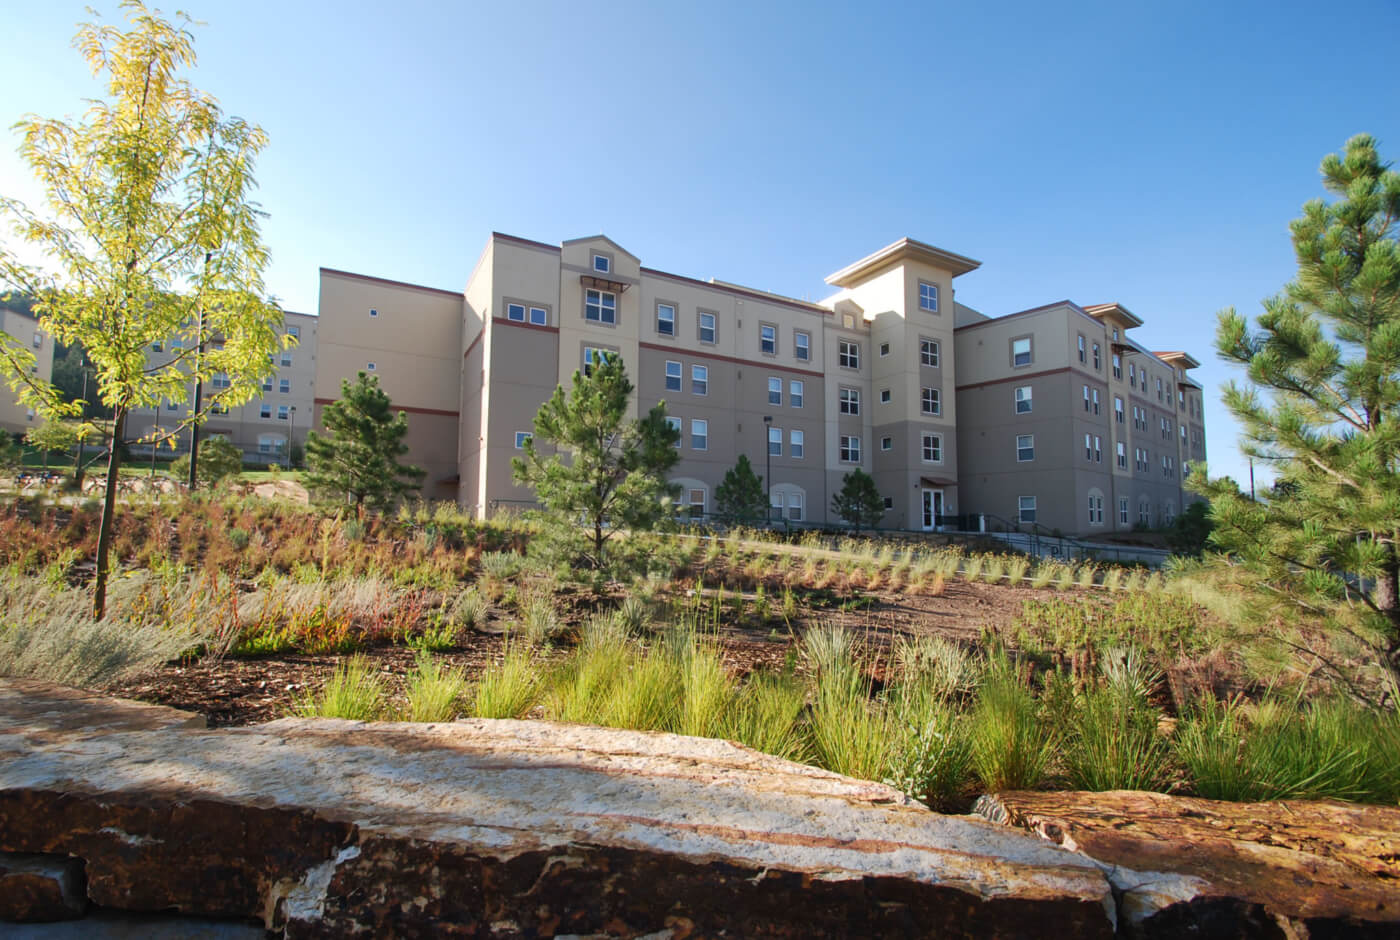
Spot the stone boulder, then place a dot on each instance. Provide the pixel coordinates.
(1204, 868)
(505, 828)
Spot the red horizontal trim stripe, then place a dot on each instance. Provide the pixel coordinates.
(472, 344)
(525, 326)
(408, 408)
(1020, 377)
(757, 363)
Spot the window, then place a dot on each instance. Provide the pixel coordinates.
(887, 443)
(284, 386)
(1117, 366)
(283, 413)
(265, 411)
(1183, 433)
(707, 327)
(286, 357)
(795, 393)
(675, 425)
(850, 401)
(928, 352)
(768, 340)
(850, 449)
(802, 345)
(673, 376)
(666, 319)
(794, 506)
(1094, 394)
(930, 401)
(848, 354)
(1098, 359)
(1086, 398)
(1159, 388)
(848, 321)
(697, 503)
(775, 442)
(1025, 509)
(176, 346)
(884, 396)
(602, 264)
(889, 502)
(170, 405)
(539, 316)
(796, 440)
(1089, 447)
(1023, 400)
(600, 306)
(932, 447)
(593, 356)
(1115, 334)
(1081, 347)
(373, 312)
(271, 443)
(699, 434)
(218, 408)
(1122, 455)
(1144, 512)
(1118, 408)
(1025, 447)
(1123, 510)
(928, 297)
(221, 380)
(156, 346)
(775, 390)
(1180, 399)
(371, 367)
(1166, 427)
(699, 380)
(1132, 374)
(1021, 351)
(884, 350)
(294, 332)
(267, 384)
(1095, 509)
(520, 438)
(1098, 449)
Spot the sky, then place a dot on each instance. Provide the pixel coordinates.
(1151, 154)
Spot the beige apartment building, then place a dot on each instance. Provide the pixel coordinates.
(873, 376)
(24, 327)
(1068, 424)
(267, 426)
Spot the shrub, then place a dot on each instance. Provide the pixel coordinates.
(539, 621)
(469, 610)
(1010, 751)
(934, 665)
(501, 566)
(932, 762)
(827, 647)
(355, 692)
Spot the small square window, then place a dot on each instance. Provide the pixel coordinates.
(775, 442)
(370, 367)
(768, 340)
(373, 312)
(515, 312)
(884, 350)
(884, 396)
(520, 438)
(265, 411)
(602, 264)
(889, 502)
(156, 346)
(887, 443)
(699, 380)
(802, 345)
(795, 393)
(1024, 400)
(539, 316)
(707, 327)
(928, 297)
(775, 391)
(666, 319)
(673, 376)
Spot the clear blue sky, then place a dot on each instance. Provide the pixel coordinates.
(1146, 153)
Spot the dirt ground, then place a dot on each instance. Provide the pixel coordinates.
(249, 690)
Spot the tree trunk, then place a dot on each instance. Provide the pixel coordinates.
(109, 508)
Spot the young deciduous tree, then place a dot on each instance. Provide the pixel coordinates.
(739, 496)
(1321, 550)
(359, 454)
(859, 502)
(607, 472)
(149, 234)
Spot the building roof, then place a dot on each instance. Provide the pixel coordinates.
(1116, 309)
(892, 254)
(1187, 360)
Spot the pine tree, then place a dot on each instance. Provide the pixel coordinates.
(1321, 549)
(739, 496)
(859, 502)
(218, 458)
(615, 474)
(359, 454)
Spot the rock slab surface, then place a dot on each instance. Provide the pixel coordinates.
(40, 888)
(504, 828)
(1204, 868)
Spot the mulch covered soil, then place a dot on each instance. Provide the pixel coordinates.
(250, 690)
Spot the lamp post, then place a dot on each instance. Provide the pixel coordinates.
(768, 468)
(78, 470)
(291, 436)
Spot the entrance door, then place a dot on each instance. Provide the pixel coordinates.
(933, 508)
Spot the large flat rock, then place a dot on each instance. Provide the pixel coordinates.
(1205, 868)
(506, 828)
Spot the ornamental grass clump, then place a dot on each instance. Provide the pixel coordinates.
(355, 692)
(510, 688)
(1010, 748)
(850, 734)
(433, 692)
(932, 758)
(764, 715)
(1112, 740)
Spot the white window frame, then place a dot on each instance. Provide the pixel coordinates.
(931, 441)
(539, 316)
(1029, 354)
(515, 313)
(775, 391)
(1081, 348)
(283, 413)
(699, 380)
(600, 306)
(1023, 448)
(679, 426)
(700, 327)
(802, 345)
(885, 396)
(930, 401)
(848, 401)
(797, 443)
(602, 264)
(797, 393)
(1122, 455)
(265, 411)
(1024, 505)
(284, 386)
(775, 441)
(767, 339)
(850, 448)
(669, 377)
(521, 437)
(699, 431)
(665, 325)
(848, 354)
(928, 296)
(1122, 510)
(1028, 399)
(930, 353)
(887, 443)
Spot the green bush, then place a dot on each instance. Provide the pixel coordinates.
(1010, 750)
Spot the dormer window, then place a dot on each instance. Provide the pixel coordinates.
(602, 264)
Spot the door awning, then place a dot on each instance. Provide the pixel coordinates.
(935, 481)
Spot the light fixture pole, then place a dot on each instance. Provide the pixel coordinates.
(768, 468)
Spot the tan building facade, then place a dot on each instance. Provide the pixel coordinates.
(24, 327)
(876, 376)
